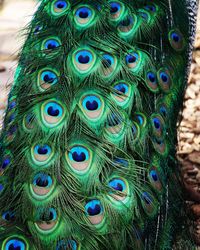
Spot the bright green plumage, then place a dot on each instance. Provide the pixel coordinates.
(88, 144)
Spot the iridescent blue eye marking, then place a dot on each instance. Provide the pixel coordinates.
(93, 208)
(37, 29)
(114, 7)
(84, 57)
(78, 154)
(132, 58)
(50, 215)
(121, 87)
(151, 8)
(147, 198)
(164, 77)
(15, 244)
(8, 216)
(53, 109)
(117, 184)
(1, 187)
(91, 103)
(108, 60)
(156, 123)
(121, 162)
(152, 77)
(51, 44)
(83, 12)
(42, 150)
(62, 5)
(42, 180)
(68, 244)
(154, 175)
(49, 77)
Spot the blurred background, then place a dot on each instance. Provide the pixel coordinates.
(14, 15)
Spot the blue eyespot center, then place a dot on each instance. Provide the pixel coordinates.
(147, 198)
(52, 111)
(6, 162)
(15, 244)
(93, 208)
(91, 103)
(61, 4)
(8, 216)
(79, 157)
(42, 149)
(49, 77)
(156, 123)
(131, 58)
(12, 105)
(175, 37)
(107, 61)
(154, 175)
(151, 8)
(163, 110)
(51, 44)
(140, 119)
(1, 187)
(164, 77)
(118, 185)
(42, 180)
(48, 215)
(114, 8)
(79, 154)
(152, 77)
(68, 244)
(121, 161)
(126, 22)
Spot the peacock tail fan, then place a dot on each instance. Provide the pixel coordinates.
(89, 138)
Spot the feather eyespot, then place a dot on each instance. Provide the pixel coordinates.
(148, 203)
(8, 216)
(1, 188)
(176, 40)
(51, 44)
(121, 161)
(84, 60)
(118, 185)
(52, 113)
(12, 104)
(116, 10)
(47, 220)
(126, 26)
(154, 179)
(84, 16)
(164, 79)
(135, 132)
(115, 124)
(11, 118)
(6, 162)
(79, 158)
(59, 7)
(37, 29)
(140, 119)
(160, 146)
(158, 125)
(14, 243)
(94, 211)
(42, 154)
(151, 8)
(47, 78)
(109, 64)
(92, 106)
(11, 133)
(122, 95)
(151, 81)
(67, 245)
(28, 121)
(42, 185)
(145, 16)
(133, 60)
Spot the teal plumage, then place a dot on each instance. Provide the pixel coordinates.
(89, 139)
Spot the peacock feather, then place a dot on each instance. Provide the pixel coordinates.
(89, 138)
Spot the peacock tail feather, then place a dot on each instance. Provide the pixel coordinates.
(89, 138)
